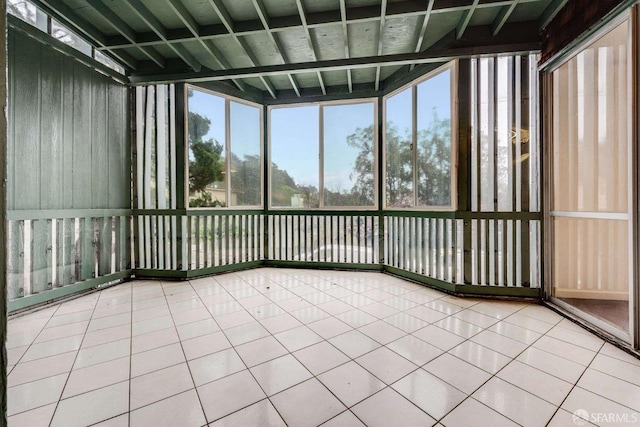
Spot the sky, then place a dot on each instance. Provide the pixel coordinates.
(295, 129)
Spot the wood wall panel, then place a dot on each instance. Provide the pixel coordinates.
(70, 132)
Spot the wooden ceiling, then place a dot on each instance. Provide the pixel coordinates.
(297, 47)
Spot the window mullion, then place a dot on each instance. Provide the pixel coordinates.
(321, 156)
(414, 142)
(227, 148)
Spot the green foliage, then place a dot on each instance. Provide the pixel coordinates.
(204, 200)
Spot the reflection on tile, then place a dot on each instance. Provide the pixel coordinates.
(429, 393)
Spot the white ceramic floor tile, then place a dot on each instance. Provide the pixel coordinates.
(617, 368)
(34, 394)
(320, 357)
(565, 350)
(427, 314)
(39, 417)
(379, 310)
(231, 320)
(261, 350)
(382, 332)
(472, 413)
(516, 404)
(414, 349)
(297, 338)
(476, 318)
(457, 372)
(181, 410)
(515, 332)
(389, 408)
(153, 340)
(444, 306)
(590, 342)
(563, 418)
(246, 333)
(280, 323)
(279, 374)
(335, 307)
(356, 318)
(90, 408)
(159, 358)
(611, 351)
(354, 343)
(261, 414)
(215, 366)
(329, 327)
(551, 364)
(57, 332)
(529, 323)
(429, 393)
(458, 327)
(118, 421)
(596, 408)
(52, 348)
(351, 383)
(41, 368)
(159, 385)
(307, 405)
(345, 419)
(97, 324)
(536, 382)
(405, 322)
(102, 353)
(438, 337)
(205, 344)
(612, 388)
(228, 394)
(108, 335)
(501, 344)
(386, 365)
(151, 325)
(96, 376)
(482, 357)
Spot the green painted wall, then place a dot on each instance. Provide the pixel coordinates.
(69, 132)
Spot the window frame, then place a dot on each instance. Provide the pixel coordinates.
(452, 67)
(376, 160)
(227, 147)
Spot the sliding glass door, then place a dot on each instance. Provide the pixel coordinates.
(591, 197)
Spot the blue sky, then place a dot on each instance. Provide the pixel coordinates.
(295, 130)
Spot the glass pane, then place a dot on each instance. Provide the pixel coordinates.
(294, 157)
(591, 176)
(397, 151)
(28, 12)
(349, 135)
(65, 35)
(246, 173)
(206, 135)
(105, 60)
(434, 141)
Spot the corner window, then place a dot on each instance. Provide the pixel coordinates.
(418, 147)
(323, 156)
(225, 151)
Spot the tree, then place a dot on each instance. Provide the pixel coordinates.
(363, 168)
(434, 163)
(206, 163)
(399, 170)
(246, 181)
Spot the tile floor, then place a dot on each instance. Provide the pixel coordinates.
(275, 347)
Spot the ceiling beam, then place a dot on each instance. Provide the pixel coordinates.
(156, 26)
(503, 16)
(228, 23)
(264, 17)
(404, 8)
(127, 32)
(466, 18)
(345, 38)
(550, 12)
(423, 28)
(189, 21)
(383, 12)
(69, 18)
(303, 18)
(439, 55)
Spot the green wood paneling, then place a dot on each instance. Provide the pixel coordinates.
(69, 139)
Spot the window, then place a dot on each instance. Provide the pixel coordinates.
(420, 116)
(66, 36)
(225, 151)
(28, 12)
(105, 60)
(323, 156)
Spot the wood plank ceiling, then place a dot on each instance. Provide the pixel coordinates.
(298, 47)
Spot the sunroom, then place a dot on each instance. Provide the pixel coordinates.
(327, 212)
